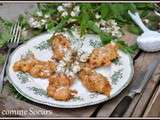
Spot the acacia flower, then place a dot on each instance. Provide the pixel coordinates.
(46, 16)
(60, 9)
(34, 23)
(39, 13)
(67, 5)
(146, 21)
(97, 16)
(64, 14)
(76, 11)
(111, 27)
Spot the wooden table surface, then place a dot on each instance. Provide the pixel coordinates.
(145, 104)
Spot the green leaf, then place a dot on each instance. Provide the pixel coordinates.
(104, 10)
(145, 6)
(120, 12)
(23, 20)
(61, 25)
(134, 29)
(144, 13)
(91, 25)
(4, 38)
(125, 47)
(50, 25)
(84, 17)
(86, 6)
(48, 8)
(104, 38)
(4, 32)
(2, 59)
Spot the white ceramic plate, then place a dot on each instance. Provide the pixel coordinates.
(119, 74)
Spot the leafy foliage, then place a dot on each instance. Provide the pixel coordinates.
(105, 38)
(4, 32)
(84, 17)
(2, 59)
(134, 29)
(48, 8)
(86, 20)
(125, 47)
(59, 27)
(24, 22)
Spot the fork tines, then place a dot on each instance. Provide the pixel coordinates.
(15, 32)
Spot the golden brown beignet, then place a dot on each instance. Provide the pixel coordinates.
(59, 87)
(103, 56)
(59, 45)
(36, 68)
(94, 81)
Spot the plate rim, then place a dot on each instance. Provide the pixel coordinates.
(64, 106)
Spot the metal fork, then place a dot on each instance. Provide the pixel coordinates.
(12, 44)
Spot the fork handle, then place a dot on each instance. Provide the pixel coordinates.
(3, 70)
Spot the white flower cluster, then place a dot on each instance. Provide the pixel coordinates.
(76, 44)
(79, 53)
(97, 16)
(113, 29)
(67, 5)
(61, 67)
(64, 10)
(83, 56)
(84, 52)
(39, 21)
(68, 56)
(146, 21)
(110, 26)
(76, 11)
(67, 66)
(74, 68)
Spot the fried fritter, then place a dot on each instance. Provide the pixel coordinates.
(94, 81)
(59, 45)
(43, 69)
(25, 64)
(103, 56)
(59, 87)
(36, 68)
